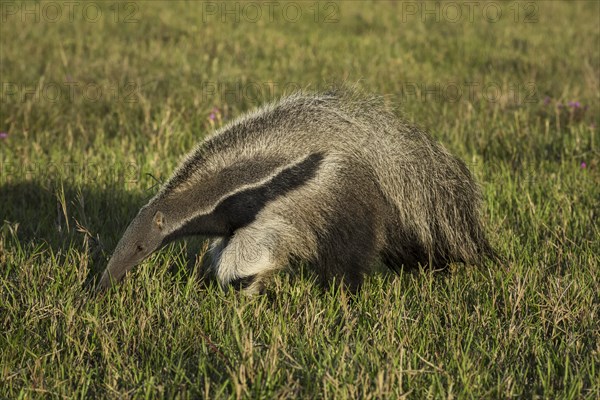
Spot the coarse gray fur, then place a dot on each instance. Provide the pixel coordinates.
(332, 179)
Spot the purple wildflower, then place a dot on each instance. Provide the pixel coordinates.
(3, 135)
(574, 104)
(583, 165)
(546, 100)
(213, 113)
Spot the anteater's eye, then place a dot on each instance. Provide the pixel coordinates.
(139, 247)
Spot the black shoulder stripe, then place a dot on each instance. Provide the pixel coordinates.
(240, 209)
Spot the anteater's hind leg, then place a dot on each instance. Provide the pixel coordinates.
(354, 235)
(351, 249)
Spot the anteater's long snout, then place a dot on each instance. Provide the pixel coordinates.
(138, 242)
(113, 273)
(125, 257)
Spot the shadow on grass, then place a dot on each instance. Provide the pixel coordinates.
(61, 216)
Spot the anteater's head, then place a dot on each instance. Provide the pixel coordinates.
(145, 234)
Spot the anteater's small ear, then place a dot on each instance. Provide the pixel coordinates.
(159, 220)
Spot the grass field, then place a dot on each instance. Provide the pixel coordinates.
(100, 101)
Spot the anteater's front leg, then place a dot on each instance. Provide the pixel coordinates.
(246, 258)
